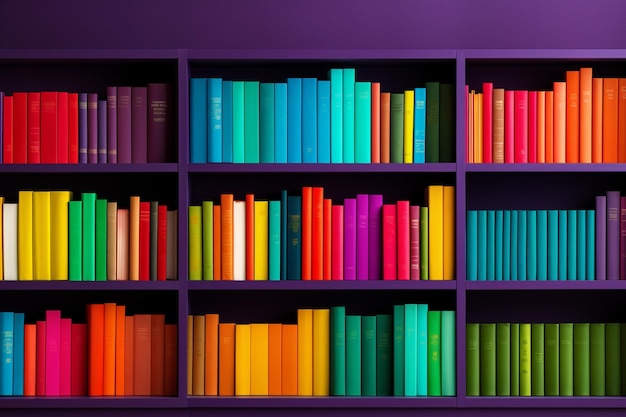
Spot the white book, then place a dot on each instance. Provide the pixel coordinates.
(239, 240)
(171, 245)
(9, 240)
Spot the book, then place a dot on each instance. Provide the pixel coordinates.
(368, 356)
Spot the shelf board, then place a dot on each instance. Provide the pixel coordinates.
(543, 402)
(527, 167)
(544, 54)
(86, 168)
(322, 402)
(91, 402)
(545, 285)
(319, 54)
(87, 54)
(321, 168)
(88, 285)
(321, 285)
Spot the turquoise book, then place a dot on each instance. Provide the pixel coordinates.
(89, 236)
(294, 120)
(563, 245)
(274, 250)
(18, 354)
(283, 234)
(491, 245)
(506, 245)
(572, 245)
(353, 355)
(294, 237)
(349, 79)
(422, 350)
(581, 245)
(398, 350)
(531, 245)
(542, 245)
(432, 121)
(6, 353)
(227, 121)
(522, 244)
(238, 122)
(280, 123)
(514, 244)
(472, 245)
(482, 245)
(251, 122)
(214, 123)
(363, 122)
(368, 356)
(384, 355)
(267, 122)
(323, 121)
(336, 115)
(448, 353)
(434, 353)
(198, 120)
(419, 126)
(498, 243)
(338, 350)
(101, 240)
(553, 245)
(591, 245)
(309, 120)
(410, 350)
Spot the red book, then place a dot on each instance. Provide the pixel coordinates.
(79, 360)
(139, 125)
(532, 126)
(487, 123)
(327, 243)
(170, 369)
(20, 128)
(226, 204)
(375, 122)
(389, 242)
(337, 243)
(53, 353)
(40, 367)
(521, 126)
(572, 116)
(403, 240)
(49, 127)
(72, 129)
(7, 129)
(62, 127)
(162, 243)
(144, 241)
(33, 137)
(549, 127)
(414, 235)
(30, 359)
(307, 227)
(95, 349)
(317, 234)
(120, 349)
(157, 354)
(108, 367)
(249, 237)
(509, 126)
(65, 380)
(385, 126)
(621, 121)
(142, 359)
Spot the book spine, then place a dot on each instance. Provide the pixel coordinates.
(309, 120)
(503, 359)
(374, 238)
(49, 128)
(600, 237)
(537, 365)
(349, 239)
(472, 373)
(368, 349)
(294, 120)
(487, 359)
(336, 115)
(266, 122)
(102, 132)
(160, 129)
(34, 128)
(111, 109)
(403, 224)
(414, 242)
(551, 359)
(124, 125)
(227, 121)
(338, 351)
(92, 128)
(323, 121)
(139, 125)
(487, 122)
(612, 234)
(198, 121)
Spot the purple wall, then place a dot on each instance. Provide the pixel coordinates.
(371, 24)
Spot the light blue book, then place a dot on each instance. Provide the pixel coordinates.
(349, 78)
(18, 354)
(514, 244)
(581, 240)
(323, 121)
(227, 121)
(422, 350)
(197, 120)
(267, 120)
(531, 248)
(274, 249)
(294, 120)
(336, 115)
(419, 126)
(309, 120)
(251, 122)
(491, 245)
(522, 245)
(238, 122)
(506, 245)
(280, 123)
(472, 245)
(542, 245)
(214, 116)
(6, 353)
(572, 245)
(363, 122)
(562, 245)
(553, 245)
(499, 226)
(482, 245)
(591, 245)
(410, 350)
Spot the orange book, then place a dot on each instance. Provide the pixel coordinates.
(129, 355)
(307, 214)
(110, 319)
(385, 108)
(597, 98)
(290, 359)
(217, 243)
(122, 250)
(199, 340)
(170, 368)
(317, 234)
(120, 349)
(227, 359)
(211, 343)
(133, 238)
(327, 245)
(375, 96)
(259, 359)
(498, 125)
(189, 354)
(227, 236)
(157, 354)
(549, 127)
(449, 242)
(585, 97)
(275, 331)
(142, 354)
(249, 237)
(572, 117)
(95, 349)
(559, 120)
(609, 120)
(621, 121)
(305, 351)
(30, 359)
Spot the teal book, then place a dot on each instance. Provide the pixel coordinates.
(498, 243)
(531, 248)
(537, 362)
(101, 240)
(208, 266)
(482, 245)
(563, 224)
(591, 245)
(432, 121)
(515, 375)
(294, 237)
(553, 245)
(294, 120)
(214, 123)
(274, 250)
(267, 120)
(283, 234)
(280, 123)
(410, 350)
(198, 120)
(251, 122)
(446, 122)
(566, 359)
(309, 120)
(349, 79)
(514, 244)
(323, 121)
(491, 245)
(472, 245)
(419, 126)
(398, 350)
(448, 353)
(613, 359)
(227, 121)
(89, 236)
(503, 359)
(238, 122)
(7, 321)
(338, 351)
(597, 359)
(75, 237)
(353, 355)
(434, 353)
(581, 245)
(522, 245)
(422, 350)
(384, 355)
(487, 359)
(472, 350)
(581, 359)
(542, 245)
(572, 245)
(363, 122)
(506, 245)
(368, 358)
(396, 128)
(336, 115)
(18, 354)
(551, 359)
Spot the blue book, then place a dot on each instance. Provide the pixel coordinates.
(280, 123)
(522, 245)
(422, 350)
(227, 121)
(591, 245)
(274, 250)
(482, 245)
(553, 245)
(514, 243)
(410, 350)
(349, 78)
(283, 234)
(336, 115)
(309, 120)
(542, 245)
(266, 123)
(562, 245)
(214, 124)
(323, 121)
(294, 237)
(363, 122)
(238, 122)
(472, 245)
(197, 120)
(6, 353)
(491, 245)
(294, 120)
(499, 227)
(18, 354)
(581, 246)
(251, 122)
(506, 245)
(419, 126)
(531, 245)
(572, 245)
(399, 367)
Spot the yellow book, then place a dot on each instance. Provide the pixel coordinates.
(59, 237)
(1, 240)
(409, 118)
(261, 236)
(190, 355)
(524, 359)
(435, 232)
(305, 352)
(195, 243)
(259, 359)
(25, 236)
(448, 232)
(242, 359)
(321, 352)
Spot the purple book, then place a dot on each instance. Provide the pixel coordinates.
(102, 131)
(92, 128)
(82, 128)
(111, 145)
(374, 241)
(414, 235)
(601, 237)
(349, 239)
(160, 123)
(139, 125)
(362, 237)
(612, 234)
(124, 131)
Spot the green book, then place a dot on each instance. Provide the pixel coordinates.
(597, 359)
(432, 121)
(238, 122)
(423, 243)
(251, 121)
(524, 360)
(613, 359)
(472, 352)
(566, 359)
(75, 236)
(488, 359)
(338, 350)
(434, 353)
(446, 123)
(353, 355)
(448, 353)
(503, 359)
(101, 239)
(537, 359)
(396, 128)
(410, 350)
(581, 359)
(207, 241)
(398, 350)
(368, 358)
(422, 350)
(551, 359)
(154, 231)
(514, 359)
(384, 355)
(89, 236)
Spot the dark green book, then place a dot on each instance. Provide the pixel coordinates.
(566, 359)
(154, 230)
(446, 123)
(597, 359)
(338, 350)
(448, 353)
(101, 239)
(503, 359)
(537, 361)
(581, 359)
(432, 121)
(368, 358)
(472, 352)
(384, 355)
(488, 359)
(613, 359)
(551, 359)
(396, 128)
(353, 355)
(398, 350)
(75, 237)
(434, 353)
(89, 236)
(514, 359)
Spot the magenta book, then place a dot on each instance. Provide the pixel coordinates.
(349, 239)
(414, 236)
(337, 243)
(362, 237)
(612, 234)
(65, 363)
(374, 239)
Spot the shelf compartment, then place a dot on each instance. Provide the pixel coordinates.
(321, 402)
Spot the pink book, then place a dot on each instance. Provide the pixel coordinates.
(139, 125)
(40, 367)
(122, 244)
(467, 119)
(403, 240)
(541, 126)
(521, 126)
(389, 242)
(487, 124)
(374, 240)
(337, 243)
(7, 129)
(532, 126)
(509, 126)
(62, 127)
(362, 237)
(414, 235)
(65, 377)
(349, 239)
(79, 360)
(53, 353)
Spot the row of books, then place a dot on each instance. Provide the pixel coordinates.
(408, 353)
(544, 359)
(113, 354)
(307, 237)
(132, 125)
(581, 120)
(309, 120)
(48, 236)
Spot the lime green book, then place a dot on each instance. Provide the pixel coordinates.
(338, 350)
(410, 350)
(423, 243)
(537, 351)
(514, 359)
(597, 359)
(503, 359)
(472, 352)
(488, 359)
(613, 359)
(101, 239)
(566, 359)
(353, 355)
(448, 353)
(207, 240)
(551, 359)
(75, 225)
(581, 359)
(89, 236)
(434, 353)
(368, 356)
(398, 350)
(384, 355)
(195, 243)
(524, 360)
(623, 361)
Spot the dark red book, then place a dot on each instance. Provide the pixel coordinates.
(33, 137)
(49, 127)
(487, 123)
(162, 243)
(7, 129)
(112, 125)
(20, 128)
(65, 383)
(40, 367)
(139, 125)
(161, 123)
(124, 129)
(144, 241)
(62, 127)
(72, 128)
(79, 359)
(83, 127)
